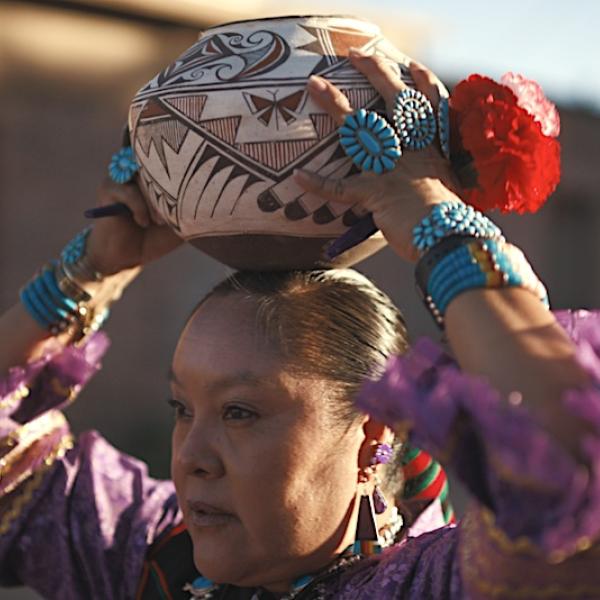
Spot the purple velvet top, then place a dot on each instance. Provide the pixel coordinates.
(77, 516)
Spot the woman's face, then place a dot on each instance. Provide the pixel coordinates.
(266, 481)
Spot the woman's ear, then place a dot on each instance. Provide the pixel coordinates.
(375, 433)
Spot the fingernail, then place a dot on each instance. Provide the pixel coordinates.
(317, 83)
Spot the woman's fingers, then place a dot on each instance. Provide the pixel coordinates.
(427, 83)
(130, 195)
(382, 77)
(349, 190)
(159, 241)
(329, 98)
(380, 74)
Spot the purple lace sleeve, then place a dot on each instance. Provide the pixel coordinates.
(83, 528)
(50, 381)
(76, 516)
(33, 431)
(531, 495)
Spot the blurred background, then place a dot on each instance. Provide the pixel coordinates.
(69, 68)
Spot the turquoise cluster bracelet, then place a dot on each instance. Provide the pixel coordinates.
(463, 263)
(452, 217)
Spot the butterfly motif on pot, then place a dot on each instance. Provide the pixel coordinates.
(273, 111)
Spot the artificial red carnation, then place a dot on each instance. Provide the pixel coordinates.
(474, 88)
(517, 166)
(530, 96)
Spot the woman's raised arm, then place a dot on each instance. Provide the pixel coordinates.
(117, 248)
(52, 486)
(518, 420)
(506, 334)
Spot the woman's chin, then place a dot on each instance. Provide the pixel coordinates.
(230, 564)
(218, 554)
(216, 567)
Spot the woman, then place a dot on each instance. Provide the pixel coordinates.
(270, 461)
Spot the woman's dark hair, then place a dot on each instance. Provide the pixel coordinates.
(329, 324)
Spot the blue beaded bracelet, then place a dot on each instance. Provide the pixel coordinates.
(54, 298)
(32, 309)
(470, 263)
(41, 293)
(44, 301)
(57, 295)
(452, 217)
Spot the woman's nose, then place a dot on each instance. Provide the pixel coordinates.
(197, 453)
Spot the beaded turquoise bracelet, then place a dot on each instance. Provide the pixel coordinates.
(53, 297)
(469, 263)
(43, 300)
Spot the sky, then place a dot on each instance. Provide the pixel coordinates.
(555, 42)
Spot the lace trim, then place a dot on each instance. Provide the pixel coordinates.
(33, 430)
(479, 563)
(37, 449)
(510, 476)
(12, 399)
(559, 592)
(523, 545)
(29, 488)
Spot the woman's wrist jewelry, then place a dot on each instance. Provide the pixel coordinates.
(370, 141)
(56, 298)
(68, 286)
(452, 217)
(414, 119)
(43, 300)
(49, 279)
(74, 260)
(470, 263)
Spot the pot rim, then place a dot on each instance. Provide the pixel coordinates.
(284, 17)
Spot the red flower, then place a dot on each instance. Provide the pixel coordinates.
(530, 96)
(517, 166)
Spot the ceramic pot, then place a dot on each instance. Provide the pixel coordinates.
(218, 133)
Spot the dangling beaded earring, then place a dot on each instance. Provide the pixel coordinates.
(379, 502)
(367, 540)
(382, 456)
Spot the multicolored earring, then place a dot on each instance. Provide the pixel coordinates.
(382, 456)
(367, 538)
(379, 502)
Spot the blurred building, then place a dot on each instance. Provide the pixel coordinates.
(67, 73)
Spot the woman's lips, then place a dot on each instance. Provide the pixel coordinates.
(207, 515)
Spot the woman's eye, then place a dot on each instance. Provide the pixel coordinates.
(237, 413)
(179, 409)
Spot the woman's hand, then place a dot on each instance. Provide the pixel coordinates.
(124, 242)
(400, 198)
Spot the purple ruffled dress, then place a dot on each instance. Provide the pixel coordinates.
(77, 517)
